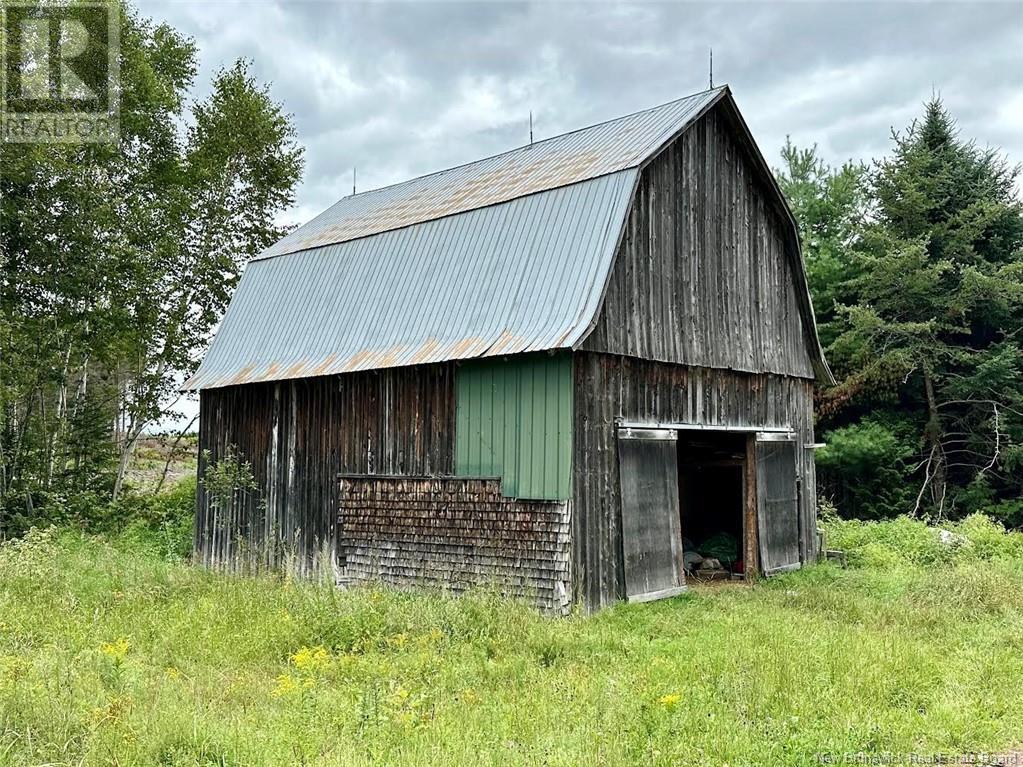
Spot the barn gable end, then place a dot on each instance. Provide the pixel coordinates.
(707, 273)
(705, 322)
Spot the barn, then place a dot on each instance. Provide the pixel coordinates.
(561, 370)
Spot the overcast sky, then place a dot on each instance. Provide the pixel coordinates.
(407, 88)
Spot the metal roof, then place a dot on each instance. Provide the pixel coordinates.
(555, 162)
(505, 255)
(523, 275)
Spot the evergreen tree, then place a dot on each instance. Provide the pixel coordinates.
(830, 206)
(932, 334)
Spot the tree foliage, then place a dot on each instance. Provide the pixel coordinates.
(118, 262)
(830, 206)
(922, 310)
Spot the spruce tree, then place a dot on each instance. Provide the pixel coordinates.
(938, 312)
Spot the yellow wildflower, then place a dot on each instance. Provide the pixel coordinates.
(311, 659)
(469, 696)
(172, 672)
(113, 711)
(669, 701)
(406, 718)
(286, 685)
(115, 650)
(398, 641)
(399, 697)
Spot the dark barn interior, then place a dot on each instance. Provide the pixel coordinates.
(711, 469)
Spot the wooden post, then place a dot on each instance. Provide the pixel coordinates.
(749, 524)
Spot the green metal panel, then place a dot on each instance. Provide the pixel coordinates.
(514, 421)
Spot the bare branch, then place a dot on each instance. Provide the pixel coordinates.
(927, 481)
(173, 451)
(998, 443)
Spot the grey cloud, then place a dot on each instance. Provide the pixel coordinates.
(404, 89)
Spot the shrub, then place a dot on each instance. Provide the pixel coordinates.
(907, 541)
(160, 523)
(229, 481)
(865, 467)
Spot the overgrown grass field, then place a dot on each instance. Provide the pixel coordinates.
(114, 656)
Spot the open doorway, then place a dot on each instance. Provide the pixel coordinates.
(704, 505)
(711, 483)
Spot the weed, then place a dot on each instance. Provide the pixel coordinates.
(112, 653)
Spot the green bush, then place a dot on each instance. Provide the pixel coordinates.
(906, 541)
(979, 497)
(87, 509)
(160, 523)
(864, 467)
(1009, 513)
(154, 523)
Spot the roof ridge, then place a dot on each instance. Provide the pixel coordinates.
(613, 145)
(526, 146)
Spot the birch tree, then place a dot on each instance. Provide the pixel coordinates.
(118, 261)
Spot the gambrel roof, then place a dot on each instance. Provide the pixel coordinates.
(505, 255)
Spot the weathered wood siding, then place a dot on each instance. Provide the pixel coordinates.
(704, 273)
(298, 436)
(610, 388)
(454, 533)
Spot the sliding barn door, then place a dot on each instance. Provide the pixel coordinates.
(651, 526)
(778, 520)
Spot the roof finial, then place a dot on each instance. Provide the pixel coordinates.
(353, 181)
(712, 69)
(531, 127)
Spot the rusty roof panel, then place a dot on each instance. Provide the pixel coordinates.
(519, 276)
(555, 162)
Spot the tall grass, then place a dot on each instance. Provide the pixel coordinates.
(112, 656)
